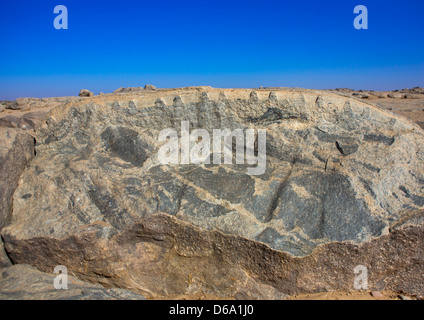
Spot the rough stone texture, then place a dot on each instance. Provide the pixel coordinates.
(4, 259)
(343, 187)
(23, 282)
(149, 87)
(380, 95)
(127, 90)
(410, 102)
(31, 112)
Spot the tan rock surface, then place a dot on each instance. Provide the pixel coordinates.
(343, 187)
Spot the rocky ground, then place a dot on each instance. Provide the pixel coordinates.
(344, 186)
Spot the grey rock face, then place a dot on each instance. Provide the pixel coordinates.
(340, 174)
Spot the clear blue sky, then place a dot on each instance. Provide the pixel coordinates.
(301, 43)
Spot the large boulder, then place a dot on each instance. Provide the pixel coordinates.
(343, 186)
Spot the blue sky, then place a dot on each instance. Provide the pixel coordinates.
(112, 44)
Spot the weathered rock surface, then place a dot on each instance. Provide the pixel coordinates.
(85, 93)
(343, 186)
(16, 150)
(28, 121)
(23, 282)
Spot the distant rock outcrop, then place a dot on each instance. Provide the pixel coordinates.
(416, 90)
(22, 103)
(86, 93)
(396, 95)
(127, 90)
(343, 187)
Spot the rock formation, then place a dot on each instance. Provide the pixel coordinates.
(343, 186)
(85, 93)
(16, 150)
